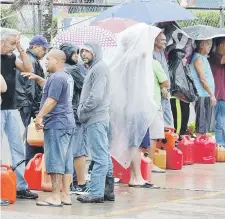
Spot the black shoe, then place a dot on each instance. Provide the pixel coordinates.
(90, 199)
(109, 189)
(80, 190)
(26, 194)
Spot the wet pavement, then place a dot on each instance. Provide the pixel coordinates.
(196, 191)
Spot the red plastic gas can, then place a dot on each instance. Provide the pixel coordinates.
(33, 172)
(8, 184)
(124, 174)
(186, 145)
(174, 159)
(205, 147)
(168, 143)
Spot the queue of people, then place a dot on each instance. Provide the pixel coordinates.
(113, 110)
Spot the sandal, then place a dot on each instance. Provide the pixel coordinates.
(48, 204)
(146, 185)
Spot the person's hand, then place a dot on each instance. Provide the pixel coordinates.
(39, 123)
(18, 45)
(213, 100)
(29, 75)
(165, 93)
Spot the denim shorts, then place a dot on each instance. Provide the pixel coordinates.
(146, 140)
(58, 151)
(78, 141)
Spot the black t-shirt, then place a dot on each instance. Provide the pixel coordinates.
(8, 71)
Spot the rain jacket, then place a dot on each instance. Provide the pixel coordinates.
(94, 101)
(76, 73)
(182, 84)
(28, 92)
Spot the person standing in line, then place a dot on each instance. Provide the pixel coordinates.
(158, 54)
(57, 120)
(28, 92)
(93, 113)
(204, 82)
(182, 89)
(157, 127)
(217, 63)
(3, 90)
(132, 99)
(80, 151)
(10, 40)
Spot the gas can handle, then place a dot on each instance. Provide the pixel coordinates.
(5, 166)
(38, 155)
(203, 137)
(169, 129)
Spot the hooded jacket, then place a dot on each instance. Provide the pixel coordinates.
(28, 92)
(69, 49)
(94, 101)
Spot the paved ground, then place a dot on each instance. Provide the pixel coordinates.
(196, 192)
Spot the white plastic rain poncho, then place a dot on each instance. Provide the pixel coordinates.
(132, 105)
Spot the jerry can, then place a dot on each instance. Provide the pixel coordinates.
(174, 159)
(159, 158)
(124, 174)
(168, 143)
(34, 137)
(205, 147)
(146, 165)
(8, 184)
(186, 145)
(33, 172)
(220, 153)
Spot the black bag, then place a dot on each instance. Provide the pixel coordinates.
(182, 85)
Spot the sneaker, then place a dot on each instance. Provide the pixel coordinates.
(90, 199)
(26, 194)
(156, 169)
(80, 190)
(4, 202)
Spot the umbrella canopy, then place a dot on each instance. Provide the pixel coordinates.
(115, 25)
(202, 32)
(83, 34)
(147, 11)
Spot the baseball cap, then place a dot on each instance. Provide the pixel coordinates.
(40, 40)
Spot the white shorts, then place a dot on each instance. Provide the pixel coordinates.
(157, 127)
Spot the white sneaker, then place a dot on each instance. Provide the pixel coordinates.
(156, 169)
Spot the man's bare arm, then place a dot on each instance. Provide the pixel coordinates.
(223, 60)
(199, 66)
(47, 107)
(41, 81)
(25, 64)
(164, 84)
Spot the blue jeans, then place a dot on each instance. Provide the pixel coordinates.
(220, 122)
(10, 125)
(97, 139)
(167, 113)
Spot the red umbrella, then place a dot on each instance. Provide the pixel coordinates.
(115, 25)
(80, 35)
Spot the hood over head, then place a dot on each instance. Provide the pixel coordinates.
(95, 48)
(69, 49)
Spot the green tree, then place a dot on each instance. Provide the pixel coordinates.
(8, 19)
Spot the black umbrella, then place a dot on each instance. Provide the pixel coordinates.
(202, 32)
